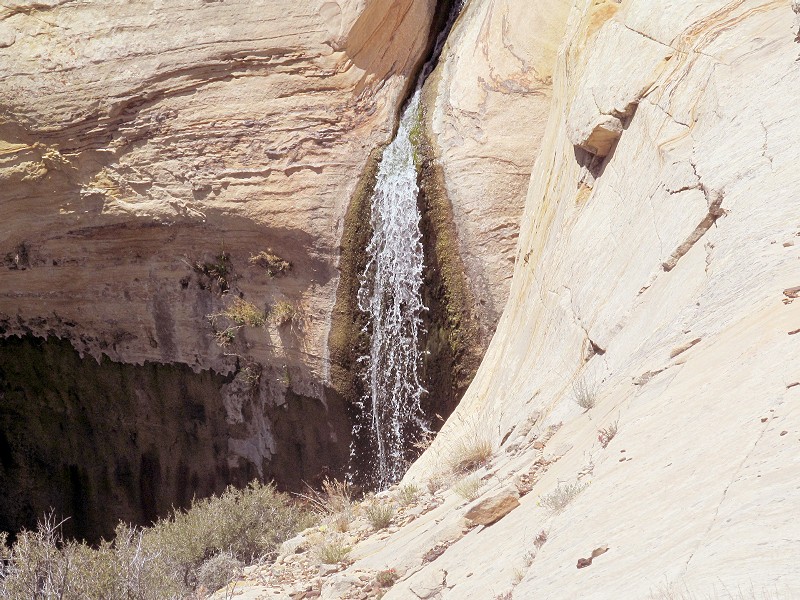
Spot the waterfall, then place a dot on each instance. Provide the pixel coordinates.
(390, 297)
(390, 413)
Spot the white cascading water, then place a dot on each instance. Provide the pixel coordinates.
(390, 297)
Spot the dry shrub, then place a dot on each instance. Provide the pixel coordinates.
(605, 435)
(558, 499)
(471, 448)
(159, 563)
(584, 394)
(272, 263)
(379, 514)
(469, 488)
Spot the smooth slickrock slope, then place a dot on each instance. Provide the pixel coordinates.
(657, 275)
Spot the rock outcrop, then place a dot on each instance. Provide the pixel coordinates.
(159, 160)
(486, 108)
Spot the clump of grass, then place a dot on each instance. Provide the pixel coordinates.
(379, 514)
(583, 394)
(407, 494)
(560, 497)
(243, 312)
(470, 452)
(605, 435)
(272, 263)
(282, 313)
(469, 488)
(333, 551)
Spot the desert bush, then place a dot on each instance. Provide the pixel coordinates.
(379, 514)
(272, 263)
(583, 394)
(218, 571)
(162, 562)
(605, 435)
(42, 564)
(332, 551)
(469, 488)
(558, 499)
(407, 494)
(249, 524)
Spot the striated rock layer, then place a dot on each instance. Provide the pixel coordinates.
(150, 152)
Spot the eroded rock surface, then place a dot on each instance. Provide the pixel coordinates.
(151, 152)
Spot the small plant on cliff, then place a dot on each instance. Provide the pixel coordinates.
(273, 264)
(282, 313)
(605, 435)
(379, 514)
(469, 488)
(407, 494)
(559, 498)
(243, 312)
(332, 551)
(584, 394)
(472, 450)
(215, 274)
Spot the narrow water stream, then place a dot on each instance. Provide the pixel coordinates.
(390, 295)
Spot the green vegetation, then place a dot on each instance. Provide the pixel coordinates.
(282, 313)
(204, 546)
(243, 312)
(379, 514)
(215, 275)
(274, 265)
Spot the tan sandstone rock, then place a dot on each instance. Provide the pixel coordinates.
(149, 150)
(492, 509)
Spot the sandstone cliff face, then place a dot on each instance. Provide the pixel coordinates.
(658, 264)
(487, 105)
(148, 151)
(656, 282)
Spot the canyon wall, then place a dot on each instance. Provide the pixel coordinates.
(656, 276)
(160, 161)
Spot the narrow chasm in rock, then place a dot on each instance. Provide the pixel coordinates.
(403, 343)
